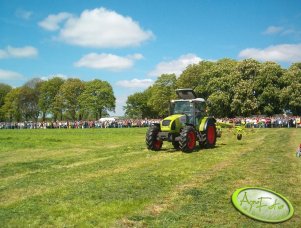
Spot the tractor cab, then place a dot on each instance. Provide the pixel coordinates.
(194, 108)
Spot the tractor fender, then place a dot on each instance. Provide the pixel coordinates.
(205, 121)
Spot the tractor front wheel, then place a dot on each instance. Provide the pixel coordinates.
(151, 140)
(187, 139)
(210, 135)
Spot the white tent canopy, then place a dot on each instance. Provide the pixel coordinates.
(109, 119)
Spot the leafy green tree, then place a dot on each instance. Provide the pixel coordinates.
(67, 98)
(248, 69)
(34, 83)
(244, 102)
(197, 77)
(97, 98)
(219, 104)
(267, 87)
(290, 96)
(232, 88)
(28, 103)
(29, 99)
(225, 77)
(235, 88)
(4, 89)
(11, 107)
(57, 106)
(269, 100)
(137, 107)
(49, 89)
(161, 93)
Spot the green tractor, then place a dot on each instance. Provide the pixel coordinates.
(186, 125)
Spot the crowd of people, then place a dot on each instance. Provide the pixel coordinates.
(118, 123)
(250, 122)
(265, 122)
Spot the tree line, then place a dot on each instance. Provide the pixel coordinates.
(231, 88)
(57, 99)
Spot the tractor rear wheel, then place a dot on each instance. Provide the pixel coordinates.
(151, 138)
(210, 135)
(187, 139)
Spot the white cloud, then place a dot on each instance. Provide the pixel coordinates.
(135, 56)
(23, 52)
(292, 32)
(99, 28)
(278, 53)
(9, 75)
(23, 14)
(52, 22)
(3, 54)
(120, 103)
(176, 66)
(271, 30)
(107, 61)
(135, 83)
(283, 31)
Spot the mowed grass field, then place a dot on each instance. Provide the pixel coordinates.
(107, 178)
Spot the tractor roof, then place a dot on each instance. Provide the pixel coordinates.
(186, 94)
(190, 100)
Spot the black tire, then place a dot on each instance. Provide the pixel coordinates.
(239, 136)
(151, 140)
(187, 141)
(210, 135)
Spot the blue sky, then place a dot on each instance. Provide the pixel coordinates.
(129, 43)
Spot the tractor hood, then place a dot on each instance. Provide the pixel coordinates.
(173, 123)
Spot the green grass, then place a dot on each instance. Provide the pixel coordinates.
(107, 178)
